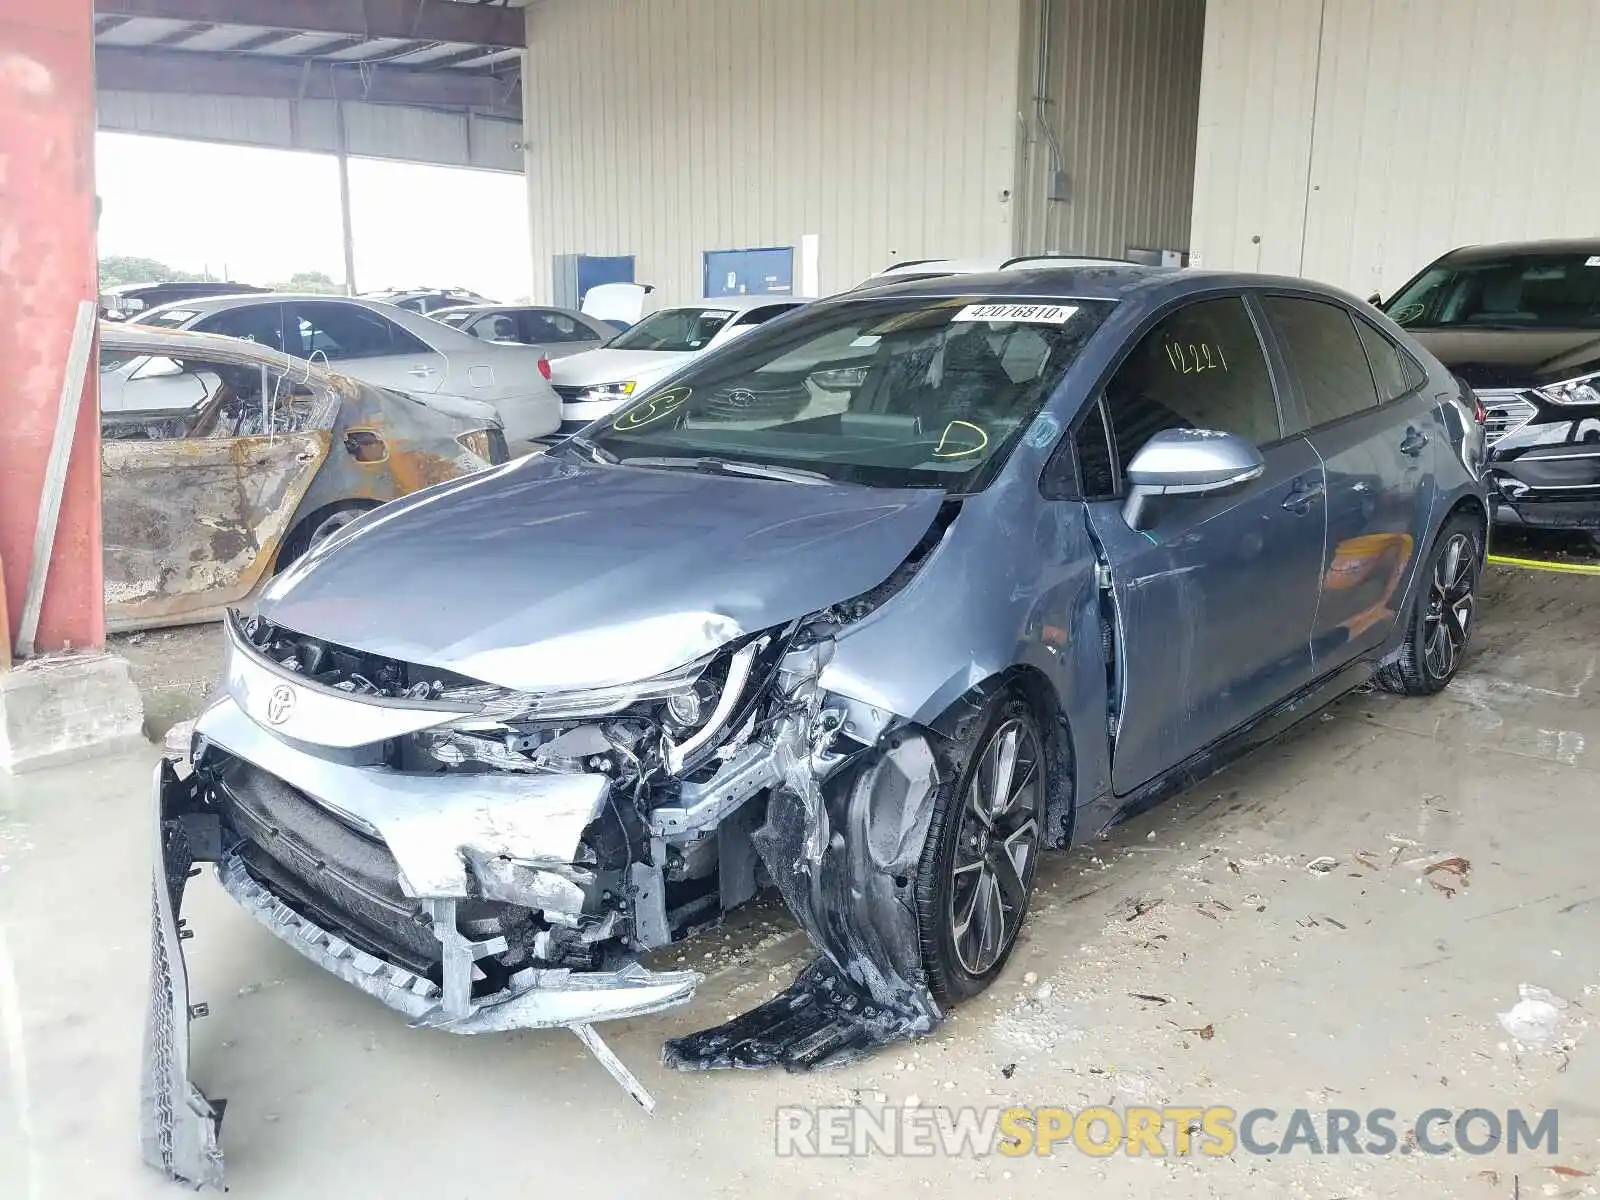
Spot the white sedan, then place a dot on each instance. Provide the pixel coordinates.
(388, 347)
(594, 384)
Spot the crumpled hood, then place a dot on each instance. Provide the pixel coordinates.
(551, 574)
(614, 366)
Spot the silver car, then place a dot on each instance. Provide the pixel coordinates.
(553, 332)
(1030, 549)
(386, 346)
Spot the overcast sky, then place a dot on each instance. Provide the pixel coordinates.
(262, 215)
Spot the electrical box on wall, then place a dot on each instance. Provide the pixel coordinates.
(1059, 186)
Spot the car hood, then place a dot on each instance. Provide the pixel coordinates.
(614, 366)
(551, 574)
(1513, 358)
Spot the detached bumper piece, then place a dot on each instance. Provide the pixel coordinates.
(178, 1125)
(854, 899)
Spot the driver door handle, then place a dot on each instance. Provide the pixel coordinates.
(1414, 441)
(1301, 496)
(421, 371)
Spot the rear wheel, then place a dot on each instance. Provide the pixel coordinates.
(976, 874)
(1442, 614)
(318, 528)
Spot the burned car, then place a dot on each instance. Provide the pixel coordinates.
(223, 461)
(1037, 547)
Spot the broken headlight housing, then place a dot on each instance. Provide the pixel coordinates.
(1583, 392)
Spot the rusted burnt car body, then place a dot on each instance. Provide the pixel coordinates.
(1030, 549)
(225, 460)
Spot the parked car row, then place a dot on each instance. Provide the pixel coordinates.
(1520, 324)
(873, 600)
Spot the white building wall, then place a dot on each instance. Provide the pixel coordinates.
(1355, 140)
(1121, 89)
(666, 128)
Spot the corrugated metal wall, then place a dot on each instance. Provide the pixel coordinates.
(1121, 97)
(372, 130)
(666, 128)
(1358, 139)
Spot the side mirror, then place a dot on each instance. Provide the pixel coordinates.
(1375, 300)
(1188, 462)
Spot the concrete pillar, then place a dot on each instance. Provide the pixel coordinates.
(60, 707)
(47, 266)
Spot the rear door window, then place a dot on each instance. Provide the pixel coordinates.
(546, 327)
(260, 323)
(1325, 355)
(1393, 370)
(1201, 367)
(344, 331)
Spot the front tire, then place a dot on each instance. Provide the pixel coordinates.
(975, 878)
(1442, 614)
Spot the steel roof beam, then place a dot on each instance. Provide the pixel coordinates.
(422, 20)
(189, 72)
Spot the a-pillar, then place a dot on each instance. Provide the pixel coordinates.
(58, 706)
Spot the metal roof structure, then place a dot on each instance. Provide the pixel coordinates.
(412, 79)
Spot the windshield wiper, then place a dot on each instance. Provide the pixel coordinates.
(591, 451)
(723, 466)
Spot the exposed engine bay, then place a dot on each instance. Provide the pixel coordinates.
(483, 859)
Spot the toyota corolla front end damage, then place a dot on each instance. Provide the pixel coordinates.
(485, 831)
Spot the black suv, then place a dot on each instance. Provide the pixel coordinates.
(1520, 325)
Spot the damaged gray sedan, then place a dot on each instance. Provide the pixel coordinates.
(1022, 552)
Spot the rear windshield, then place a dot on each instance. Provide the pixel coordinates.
(906, 391)
(674, 329)
(1524, 291)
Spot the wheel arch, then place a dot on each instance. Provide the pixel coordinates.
(299, 538)
(1034, 687)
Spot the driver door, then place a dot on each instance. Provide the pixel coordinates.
(1215, 595)
(196, 499)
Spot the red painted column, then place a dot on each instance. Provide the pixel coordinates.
(47, 265)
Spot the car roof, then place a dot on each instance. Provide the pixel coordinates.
(156, 340)
(736, 303)
(506, 308)
(1493, 250)
(1112, 281)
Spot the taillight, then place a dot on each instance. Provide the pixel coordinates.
(1479, 412)
(544, 366)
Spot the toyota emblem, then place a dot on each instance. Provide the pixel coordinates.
(280, 704)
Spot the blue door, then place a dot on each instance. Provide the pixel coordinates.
(768, 271)
(594, 270)
(1216, 595)
(1378, 451)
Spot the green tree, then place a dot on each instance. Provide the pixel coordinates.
(117, 269)
(310, 281)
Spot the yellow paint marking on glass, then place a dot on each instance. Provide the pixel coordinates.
(1534, 564)
(939, 451)
(653, 410)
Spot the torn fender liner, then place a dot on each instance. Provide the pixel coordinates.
(177, 1124)
(857, 904)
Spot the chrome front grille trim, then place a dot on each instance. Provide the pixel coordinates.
(1508, 412)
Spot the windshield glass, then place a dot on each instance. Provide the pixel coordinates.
(678, 329)
(167, 318)
(905, 391)
(1525, 291)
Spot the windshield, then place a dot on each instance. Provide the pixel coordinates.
(166, 318)
(678, 329)
(1524, 291)
(906, 391)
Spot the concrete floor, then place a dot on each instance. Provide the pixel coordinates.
(1362, 986)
